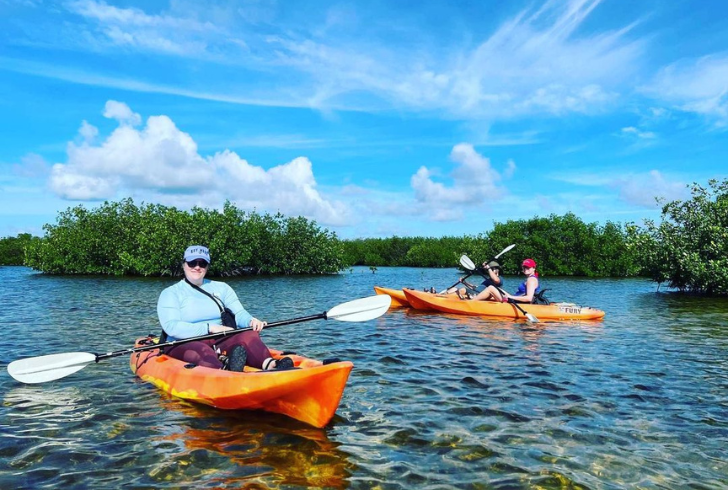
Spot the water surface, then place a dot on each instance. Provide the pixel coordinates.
(639, 400)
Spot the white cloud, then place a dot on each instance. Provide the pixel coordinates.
(161, 161)
(638, 133)
(644, 189)
(167, 33)
(542, 61)
(474, 182)
(533, 63)
(698, 85)
(122, 113)
(87, 132)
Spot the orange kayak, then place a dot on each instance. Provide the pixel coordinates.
(310, 394)
(453, 304)
(397, 295)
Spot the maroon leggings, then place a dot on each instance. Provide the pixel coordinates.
(203, 353)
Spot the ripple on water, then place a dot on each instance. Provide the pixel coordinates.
(434, 401)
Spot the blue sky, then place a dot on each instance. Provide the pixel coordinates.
(373, 118)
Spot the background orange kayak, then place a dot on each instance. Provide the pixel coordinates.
(453, 304)
(310, 394)
(398, 299)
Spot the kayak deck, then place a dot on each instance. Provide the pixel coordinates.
(399, 299)
(450, 304)
(310, 393)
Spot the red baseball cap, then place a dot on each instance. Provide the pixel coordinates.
(529, 263)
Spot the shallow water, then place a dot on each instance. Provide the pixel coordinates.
(639, 400)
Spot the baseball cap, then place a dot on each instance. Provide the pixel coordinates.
(529, 263)
(197, 252)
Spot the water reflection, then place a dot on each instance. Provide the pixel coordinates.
(247, 447)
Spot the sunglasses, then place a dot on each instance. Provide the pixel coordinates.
(195, 263)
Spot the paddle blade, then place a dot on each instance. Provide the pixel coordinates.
(531, 318)
(360, 310)
(467, 263)
(509, 247)
(47, 368)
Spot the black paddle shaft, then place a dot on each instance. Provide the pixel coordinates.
(226, 333)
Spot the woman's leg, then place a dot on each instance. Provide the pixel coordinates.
(199, 352)
(489, 293)
(256, 349)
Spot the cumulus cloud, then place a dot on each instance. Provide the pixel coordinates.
(474, 182)
(122, 113)
(645, 189)
(160, 160)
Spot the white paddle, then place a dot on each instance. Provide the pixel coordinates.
(55, 366)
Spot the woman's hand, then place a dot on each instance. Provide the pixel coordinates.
(257, 325)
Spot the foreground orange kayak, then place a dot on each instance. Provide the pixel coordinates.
(453, 304)
(310, 394)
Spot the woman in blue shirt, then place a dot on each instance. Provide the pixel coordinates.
(186, 312)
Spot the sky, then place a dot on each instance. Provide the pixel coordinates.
(373, 118)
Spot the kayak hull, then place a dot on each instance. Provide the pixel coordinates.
(310, 394)
(454, 305)
(398, 298)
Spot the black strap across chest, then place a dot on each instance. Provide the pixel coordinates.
(217, 301)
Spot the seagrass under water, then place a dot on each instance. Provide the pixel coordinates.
(435, 401)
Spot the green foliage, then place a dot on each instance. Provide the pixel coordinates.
(12, 249)
(561, 245)
(689, 248)
(121, 238)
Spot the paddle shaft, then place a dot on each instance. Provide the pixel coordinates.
(226, 333)
(479, 269)
(528, 316)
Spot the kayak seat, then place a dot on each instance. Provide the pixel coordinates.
(282, 364)
(540, 299)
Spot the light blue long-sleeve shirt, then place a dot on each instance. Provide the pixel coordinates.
(185, 312)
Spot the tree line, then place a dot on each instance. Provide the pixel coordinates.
(687, 250)
(121, 238)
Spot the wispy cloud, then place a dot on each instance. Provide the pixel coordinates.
(647, 189)
(532, 64)
(132, 28)
(698, 85)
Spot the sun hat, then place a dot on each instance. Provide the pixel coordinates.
(529, 263)
(197, 252)
(493, 264)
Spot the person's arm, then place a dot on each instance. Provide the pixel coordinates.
(495, 279)
(169, 313)
(242, 318)
(531, 285)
